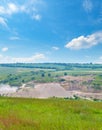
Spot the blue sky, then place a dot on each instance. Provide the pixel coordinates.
(51, 31)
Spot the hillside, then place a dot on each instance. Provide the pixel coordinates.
(49, 114)
(50, 79)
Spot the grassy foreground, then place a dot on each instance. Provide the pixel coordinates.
(49, 114)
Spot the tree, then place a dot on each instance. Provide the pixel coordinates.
(42, 75)
(23, 80)
(32, 78)
(65, 73)
(49, 75)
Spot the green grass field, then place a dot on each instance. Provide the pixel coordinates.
(49, 114)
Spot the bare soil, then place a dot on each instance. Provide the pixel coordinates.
(79, 83)
(47, 90)
(70, 87)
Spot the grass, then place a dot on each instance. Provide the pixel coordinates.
(49, 114)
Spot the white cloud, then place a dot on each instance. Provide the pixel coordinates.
(12, 8)
(55, 48)
(29, 7)
(83, 42)
(37, 17)
(14, 38)
(87, 5)
(35, 58)
(2, 10)
(3, 22)
(9, 9)
(4, 49)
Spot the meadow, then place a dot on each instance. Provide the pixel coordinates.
(49, 114)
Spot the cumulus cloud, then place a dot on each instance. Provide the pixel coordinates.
(5, 49)
(31, 59)
(83, 42)
(55, 48)
(87, 5)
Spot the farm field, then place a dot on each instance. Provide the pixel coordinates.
(49, 114)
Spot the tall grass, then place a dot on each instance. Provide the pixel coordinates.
(49, 114)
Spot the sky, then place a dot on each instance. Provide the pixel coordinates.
(39, 31)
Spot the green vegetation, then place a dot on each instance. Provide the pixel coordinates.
(19, 73)
(53, 113)
(49, 114)
(97, 83)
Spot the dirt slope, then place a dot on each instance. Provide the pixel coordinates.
(43, 90)
(46, 90)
